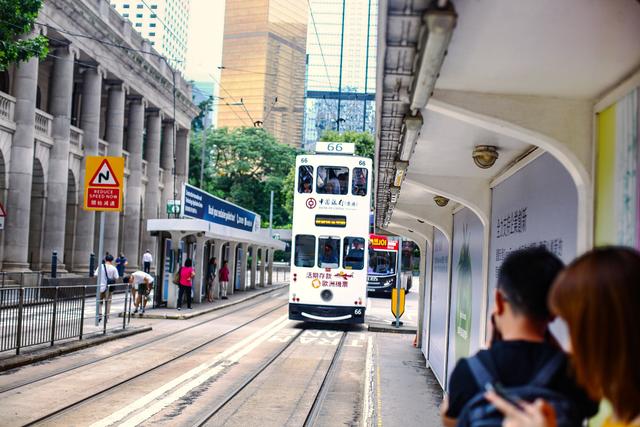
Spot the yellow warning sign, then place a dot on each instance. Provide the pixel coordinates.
(103, 182)
(394, 301)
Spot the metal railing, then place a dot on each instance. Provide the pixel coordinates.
(20, 279)
(31, 316)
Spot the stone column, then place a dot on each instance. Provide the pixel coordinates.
(232, 267)
(16, 241)
(90, 124)
(114, 134)
(60, 96)
(254, 266)
(166, 163)
(263, 266)
(135, 137)
(182, 159)
(200, 265)
(243, 273)
(270, 274)
(152, 192)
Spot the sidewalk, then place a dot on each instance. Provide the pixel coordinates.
(406, 392)
(198, 309)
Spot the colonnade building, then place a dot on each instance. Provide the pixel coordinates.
(102, 90)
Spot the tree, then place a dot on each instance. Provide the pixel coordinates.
(243, 166)
(17, 17)
(365, 144)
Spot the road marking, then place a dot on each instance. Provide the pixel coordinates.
(378, 389)
(367, 406)
(202, 373)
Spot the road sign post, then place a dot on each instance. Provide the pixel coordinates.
(103, 192)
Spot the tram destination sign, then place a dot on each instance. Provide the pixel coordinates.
(331, 221)
(199, 204)
(325, 147)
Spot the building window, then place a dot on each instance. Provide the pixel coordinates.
(139, 6)
(138, 24)
(153, 15)
(154, 6)
(138, 15)
(125, 15)
(151, 34)
(125, 6)
(152, 25)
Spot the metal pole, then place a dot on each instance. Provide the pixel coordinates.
(173, 135)
(341, 53)
(271, 216)
(398, 282)
(54, 264)
(100, 249)
(92, 264)
(204, 143)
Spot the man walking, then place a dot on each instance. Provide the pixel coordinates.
(143, 283)
(107, 275)
(147, 259)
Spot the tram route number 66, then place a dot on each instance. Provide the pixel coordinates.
(357, 312)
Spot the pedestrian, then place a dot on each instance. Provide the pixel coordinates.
(212, 272)
(598, 296)
(522, 347)
(147, 259)
(121, 263)
(186, 282)
(143, 282)
(107, 275)
(224, 279)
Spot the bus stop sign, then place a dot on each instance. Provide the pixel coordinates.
(397, 306)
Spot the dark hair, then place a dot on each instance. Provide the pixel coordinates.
(598, 296)
(525, 277)
(126, 278)
(108, 258)
(188, 262)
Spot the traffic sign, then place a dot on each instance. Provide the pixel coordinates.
(103, 182)
(173, 207)
(3, 214)
(395, 304)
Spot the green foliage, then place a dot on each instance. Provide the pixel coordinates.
(243, 166)
(17, 17)
(365, 144)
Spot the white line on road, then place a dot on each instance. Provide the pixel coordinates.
(197, 375)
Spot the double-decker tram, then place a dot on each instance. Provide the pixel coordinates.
(382, 272)
(330, 232)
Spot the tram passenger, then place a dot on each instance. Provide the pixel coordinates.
(522, 344)
(598, 296)
(328, 258)
(355, 255)
(359, 185)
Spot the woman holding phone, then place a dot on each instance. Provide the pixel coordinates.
(598, 296)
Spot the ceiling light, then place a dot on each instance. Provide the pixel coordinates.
(485, 156)
(420, 221)
(401, 170)
(410, 230)
(434, 44)
(411, 126)
(441, 201)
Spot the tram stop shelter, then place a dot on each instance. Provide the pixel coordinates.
(208, 227)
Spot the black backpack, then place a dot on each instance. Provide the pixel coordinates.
(478, 412)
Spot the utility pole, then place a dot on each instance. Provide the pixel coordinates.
(205, 127)
(271, 216)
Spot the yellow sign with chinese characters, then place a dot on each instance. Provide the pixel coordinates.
(103, 184)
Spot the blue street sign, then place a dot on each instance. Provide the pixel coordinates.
(199, 204)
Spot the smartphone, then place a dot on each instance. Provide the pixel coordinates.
(498, 389)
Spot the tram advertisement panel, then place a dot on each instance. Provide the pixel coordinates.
(537, 206)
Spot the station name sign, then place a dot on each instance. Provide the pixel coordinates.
(382, 243)
(199, 204)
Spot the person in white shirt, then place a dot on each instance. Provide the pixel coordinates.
(143, 282)
(147, 259)
(107, 275)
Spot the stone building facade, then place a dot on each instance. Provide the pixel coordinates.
(102, 90)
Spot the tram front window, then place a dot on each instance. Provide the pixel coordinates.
(359, 183)
(305, 179)
(305, 250)
(382, 262)
(332, 180)
(353, 253)
(329, 252)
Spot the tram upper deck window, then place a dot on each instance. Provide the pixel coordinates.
(353, 253)
(305, 179)
(332, 180)
(328, 252)
(359, 182)
(305, 250)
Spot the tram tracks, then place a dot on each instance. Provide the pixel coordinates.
(141, 346)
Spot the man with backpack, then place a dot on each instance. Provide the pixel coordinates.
(524, 361)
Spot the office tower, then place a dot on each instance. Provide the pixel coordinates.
(341, 67)
(263, 59)
(164, 22)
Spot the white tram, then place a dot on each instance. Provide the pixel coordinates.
(331, 204)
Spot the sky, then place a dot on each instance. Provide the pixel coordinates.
(204, 49)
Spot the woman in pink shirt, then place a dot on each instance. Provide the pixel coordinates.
(186, 277)
(224, 279)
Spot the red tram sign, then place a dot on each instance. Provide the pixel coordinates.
(382, 243)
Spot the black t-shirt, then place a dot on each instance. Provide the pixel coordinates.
(516, 363)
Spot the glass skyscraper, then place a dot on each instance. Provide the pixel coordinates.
(341, 67)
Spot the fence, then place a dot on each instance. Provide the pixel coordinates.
(32, 316)
(32, 278)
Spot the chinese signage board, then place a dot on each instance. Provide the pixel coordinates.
(199, 204)
(382, 243)
(103, 183)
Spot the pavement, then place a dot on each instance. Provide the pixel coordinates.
(380, 319)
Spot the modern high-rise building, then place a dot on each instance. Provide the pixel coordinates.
(263, 59)
(341, 67)
(164, 22)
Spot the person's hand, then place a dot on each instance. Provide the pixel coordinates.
(536, 414)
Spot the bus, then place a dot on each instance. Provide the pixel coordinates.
(330, 233)
(383, 265)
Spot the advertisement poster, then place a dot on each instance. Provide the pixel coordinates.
(466, 287)
(427, 297)
(537, 206)
(439, 306)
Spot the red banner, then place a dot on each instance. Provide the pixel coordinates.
(382, 243)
